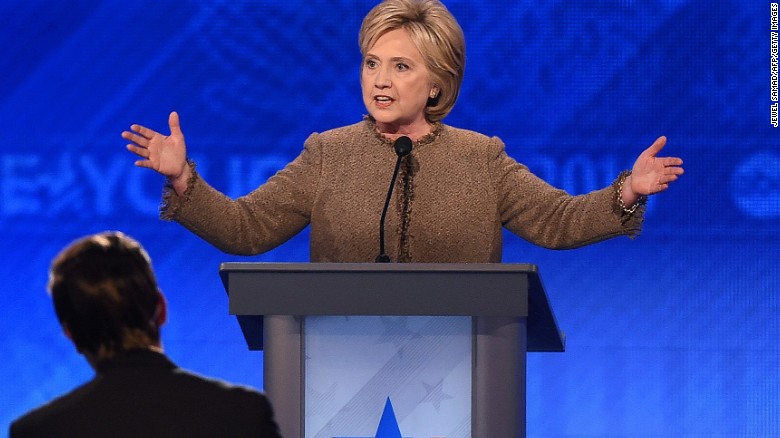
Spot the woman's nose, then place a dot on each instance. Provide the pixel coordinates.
(382, 79)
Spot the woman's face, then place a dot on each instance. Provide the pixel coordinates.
(396, 85)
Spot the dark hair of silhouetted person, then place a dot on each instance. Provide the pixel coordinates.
(105, 294)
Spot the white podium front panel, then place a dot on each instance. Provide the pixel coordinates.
(366, 375)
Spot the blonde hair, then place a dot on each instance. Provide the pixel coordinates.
(435, 33)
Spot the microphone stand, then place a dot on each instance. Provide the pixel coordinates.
(402, 146)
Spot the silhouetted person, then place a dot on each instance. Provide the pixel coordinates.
(107, 300)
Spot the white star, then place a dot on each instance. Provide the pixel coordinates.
(435, 394)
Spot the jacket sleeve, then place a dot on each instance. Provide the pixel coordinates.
(257, 222)
(550, 217)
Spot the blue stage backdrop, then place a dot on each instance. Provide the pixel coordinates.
(672, 334)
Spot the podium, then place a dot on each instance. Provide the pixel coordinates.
(371, 350)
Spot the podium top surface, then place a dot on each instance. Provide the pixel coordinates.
(431, 289)
(377, 267)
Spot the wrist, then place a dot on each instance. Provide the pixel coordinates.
(628, 200)
(629, 196)
(181, 181)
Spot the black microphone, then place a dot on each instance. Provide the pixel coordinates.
(402, 146)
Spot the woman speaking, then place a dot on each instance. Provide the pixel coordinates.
(455, 190)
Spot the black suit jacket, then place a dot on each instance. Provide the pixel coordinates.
(146, 395)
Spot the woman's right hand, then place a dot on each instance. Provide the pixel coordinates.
(165, 154)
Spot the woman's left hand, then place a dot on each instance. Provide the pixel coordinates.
(652, 174)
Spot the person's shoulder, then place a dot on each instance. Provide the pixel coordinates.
(469, 135)
(218, 387)
(344, 140)
(347, 129)
(44, 419)
(463, 132)
(240, 405)
(342, 134)
(466, 138)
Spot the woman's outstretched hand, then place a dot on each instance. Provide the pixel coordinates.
(651, 174)
(166, 155)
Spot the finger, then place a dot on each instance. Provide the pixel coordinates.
(656, 147)
(666, 179)
(141, 152)
(144, 163)
(671, 161)
(135, 138)
(143, 130)
(674, 170)
(173, 123)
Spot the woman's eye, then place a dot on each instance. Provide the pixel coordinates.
(370, 63)
(402, 67)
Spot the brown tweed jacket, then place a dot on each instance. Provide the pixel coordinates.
(455, 192)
